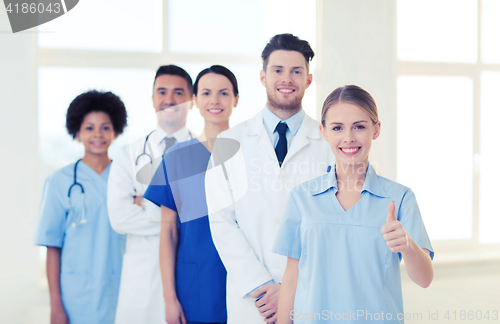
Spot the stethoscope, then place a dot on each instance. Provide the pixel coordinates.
(147, 154)
(75, 183)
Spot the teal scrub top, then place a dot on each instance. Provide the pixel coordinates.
(347, 274)
(91, 253)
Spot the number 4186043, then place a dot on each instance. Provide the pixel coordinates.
(34, 8)
(471, 315)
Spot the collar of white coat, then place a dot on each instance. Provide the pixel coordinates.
(309, 127)
(329, 180)
(159, 134)
(271, 121)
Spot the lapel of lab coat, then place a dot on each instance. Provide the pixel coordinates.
(308, 129)
(256, 127)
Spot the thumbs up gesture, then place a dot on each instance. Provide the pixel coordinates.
(394, 233)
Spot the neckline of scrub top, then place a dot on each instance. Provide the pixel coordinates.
(102, 176)
(197, 140)
(371, 184)
(187, 143)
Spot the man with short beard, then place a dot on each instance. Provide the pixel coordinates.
(279, 148)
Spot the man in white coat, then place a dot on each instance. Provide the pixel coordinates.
(246, 191)
(140, 299)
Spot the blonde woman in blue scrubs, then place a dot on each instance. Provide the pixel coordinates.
(345, 232)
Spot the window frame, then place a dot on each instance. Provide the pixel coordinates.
(462, 248)
(53, 57)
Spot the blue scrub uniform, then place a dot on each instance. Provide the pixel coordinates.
(347, 274)
(91, 254)
(200, 274)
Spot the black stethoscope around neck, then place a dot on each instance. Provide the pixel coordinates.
(147, 154)
(76, 184)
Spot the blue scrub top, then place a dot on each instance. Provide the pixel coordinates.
(200, 274)
(347, 273)
(91, 254)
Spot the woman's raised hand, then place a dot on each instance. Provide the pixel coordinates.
(394, 233)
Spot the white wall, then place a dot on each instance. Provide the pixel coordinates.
(357, 45)
(20, 192)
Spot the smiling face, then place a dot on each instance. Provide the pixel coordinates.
(171, 100)
(286, 78)
(350, 132)
(96, 133)
(215, 98)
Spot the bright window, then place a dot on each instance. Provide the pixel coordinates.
(232, 27)
(437, 30)
(88, 49)
(448, 111)
(434, 151)
(489, 222)
(134, 25)
(490, 25)
(58, 86)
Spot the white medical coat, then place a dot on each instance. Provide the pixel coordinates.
(140, 299)
(245, 211)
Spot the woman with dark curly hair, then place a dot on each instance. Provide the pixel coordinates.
(84, 254)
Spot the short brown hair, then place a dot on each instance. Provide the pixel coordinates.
(287, 42)
(351, 94)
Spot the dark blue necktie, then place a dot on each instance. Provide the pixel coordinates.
(281, 147)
